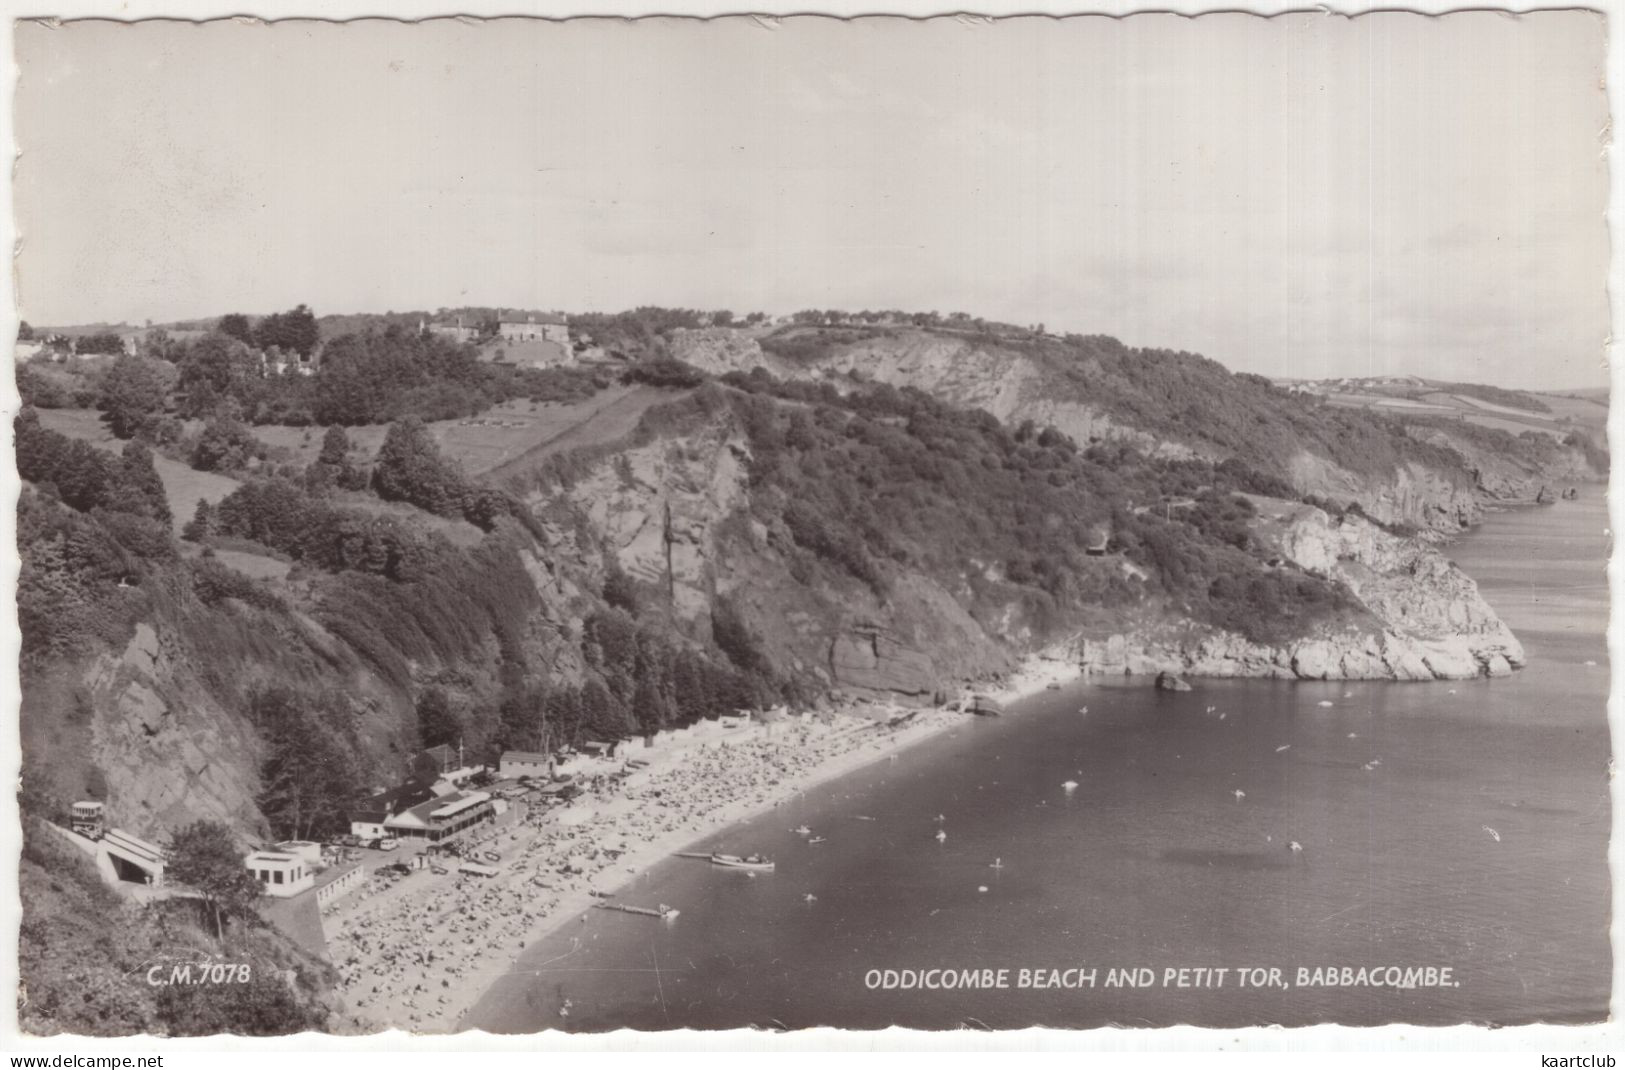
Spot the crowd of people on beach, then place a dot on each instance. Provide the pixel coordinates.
(416, 953)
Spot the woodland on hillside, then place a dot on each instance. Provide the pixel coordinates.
(396, 602)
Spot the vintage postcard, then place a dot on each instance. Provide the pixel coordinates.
(573, 525)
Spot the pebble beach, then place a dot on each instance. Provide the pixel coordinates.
(417, 953)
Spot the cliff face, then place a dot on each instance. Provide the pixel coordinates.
(967, 373)
(675, 511)
(657, 506)
(1428, 619)
(161, 717)
(1015, 385)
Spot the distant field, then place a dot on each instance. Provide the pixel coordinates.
(1518, 427)
(1409, 403)
(1379, 401)
(537, 353)
(509, 436)
(1591, 413)
(183, 486)
(1585, 414)
(497, 436)
(1480, 403)
(255, 566)
(589, 424)
(304, 443)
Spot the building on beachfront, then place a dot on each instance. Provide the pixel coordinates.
(307, 851)
(281, 873)
(441, 819)
(518, 763)
(533, 328)
(334, 882)
(368, 818)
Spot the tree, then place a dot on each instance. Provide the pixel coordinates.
(203, 856)
(437, 723)
(308, 775)
(203, 522)
(619, 589)
(25, 333)
(215, 369)
(137, 488)
(410, 468)
(224, 445)
(335, 448)
(106, 343)
(293, 331)
(263, 1007)
(133, 395)
(235, 325)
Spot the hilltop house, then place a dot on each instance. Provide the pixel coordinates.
(457, 332)
(533, 328)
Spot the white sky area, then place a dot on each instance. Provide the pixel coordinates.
(1300, 196)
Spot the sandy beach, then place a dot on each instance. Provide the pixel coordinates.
(418, 953)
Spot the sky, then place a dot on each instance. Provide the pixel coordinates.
(1304, 196)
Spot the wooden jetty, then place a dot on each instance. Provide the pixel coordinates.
(648, 912)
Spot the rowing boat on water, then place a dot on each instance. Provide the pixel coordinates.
(752, 862)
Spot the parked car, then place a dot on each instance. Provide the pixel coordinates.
(388, 843)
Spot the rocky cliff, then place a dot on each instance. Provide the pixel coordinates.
(158, 719)
(674, 510)
(1051, 386)
(1427, 619)
(966, 372)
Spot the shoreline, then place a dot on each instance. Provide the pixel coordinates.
(847, 742)
(822, 747)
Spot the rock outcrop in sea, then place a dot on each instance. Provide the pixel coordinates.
(1427, 619)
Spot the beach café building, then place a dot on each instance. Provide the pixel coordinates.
(281, 873)
(370, 818)
(517, 763)
(440, 819)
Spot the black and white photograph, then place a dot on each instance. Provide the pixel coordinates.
(554, 526)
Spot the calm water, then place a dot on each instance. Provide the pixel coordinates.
(1153, 861)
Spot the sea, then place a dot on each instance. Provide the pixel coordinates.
(1444, 826)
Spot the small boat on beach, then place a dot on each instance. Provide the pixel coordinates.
(492, 857)
(757, 863)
